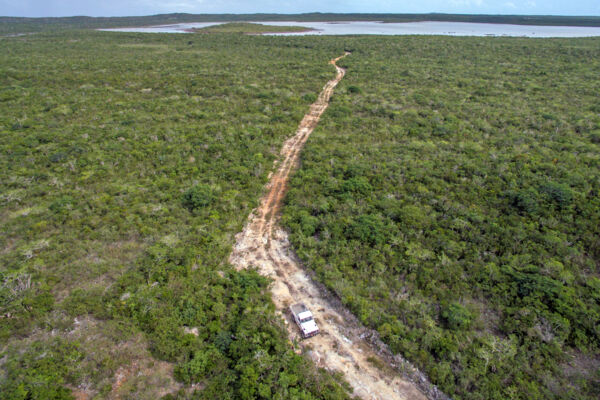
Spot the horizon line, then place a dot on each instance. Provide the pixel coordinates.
(309, 13)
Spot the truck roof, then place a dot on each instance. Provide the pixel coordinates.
(304, 314)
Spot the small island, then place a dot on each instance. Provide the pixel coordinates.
(250, 28)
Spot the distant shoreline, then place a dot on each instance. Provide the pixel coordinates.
(20, 24)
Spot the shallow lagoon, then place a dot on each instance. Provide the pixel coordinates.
(404, 28)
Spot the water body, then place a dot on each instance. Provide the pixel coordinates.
(404, 28)
(175, 28)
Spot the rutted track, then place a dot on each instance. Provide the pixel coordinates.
(343, 345)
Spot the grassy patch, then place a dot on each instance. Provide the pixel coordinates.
(250, 28)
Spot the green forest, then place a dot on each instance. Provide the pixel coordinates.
(450, 198)
(127, 164)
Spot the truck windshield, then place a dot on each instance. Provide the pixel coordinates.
(306, 319)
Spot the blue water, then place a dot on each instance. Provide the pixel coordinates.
(404, 28)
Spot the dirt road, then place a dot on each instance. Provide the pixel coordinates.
(343, 345)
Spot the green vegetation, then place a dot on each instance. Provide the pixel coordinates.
(450, 198)
(128, 162)
(249, 28)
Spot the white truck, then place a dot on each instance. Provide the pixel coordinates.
(304, 319)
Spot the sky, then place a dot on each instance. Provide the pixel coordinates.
(109, 8)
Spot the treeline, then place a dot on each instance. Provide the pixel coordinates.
(450, 198)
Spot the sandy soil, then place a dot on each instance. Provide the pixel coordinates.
(343, 345)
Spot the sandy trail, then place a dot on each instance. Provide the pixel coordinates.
(343, 345)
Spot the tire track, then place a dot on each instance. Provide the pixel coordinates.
(343, 345)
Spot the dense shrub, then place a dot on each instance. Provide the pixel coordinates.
(367, 229)
(468, 234)
(127, 168)
(559, 194)
(197, 197)
(526, 201)
(41, 371)
(456, 316)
